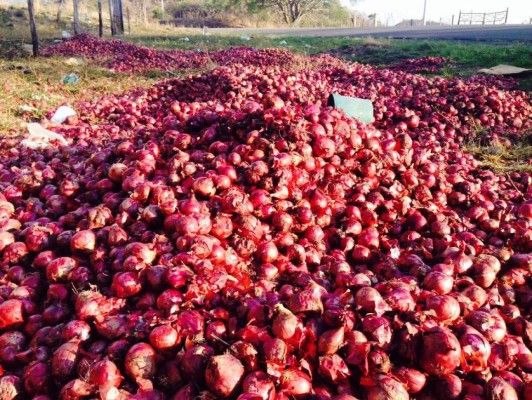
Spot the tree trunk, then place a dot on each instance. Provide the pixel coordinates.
(100, 18)
(111, 14)
(128, 21)
(121, 19)
(117, 18)
(33, 29)
(144, 12)
(76, 17)
(59, 11)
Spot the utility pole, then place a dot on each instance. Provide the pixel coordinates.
(424, 12)
(33, 29)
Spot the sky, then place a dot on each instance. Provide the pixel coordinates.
(396, 10)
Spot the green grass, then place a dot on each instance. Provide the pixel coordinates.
(35, 82)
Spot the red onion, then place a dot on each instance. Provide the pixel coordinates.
(163, 337)
(10, 387)
(105, 372)
(224, 374)
(259, 383)
(331, 341)
(379, 329)
(489, 324)
(438, 282)
(58, 270)
(448, 387)
(285, 323)
(140, 362)
(444, 308)
(386, 388)
(195, 360)
(475, 350)
(83, 241)
(37, 378)
(295, 383)
(498, 388)
(333, 368)
(64, 360)
(370, 300)
(440, 351)
(11, 313)
(126, 284)
(307, 300)
(413, 380)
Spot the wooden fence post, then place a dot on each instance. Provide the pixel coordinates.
(33, 29)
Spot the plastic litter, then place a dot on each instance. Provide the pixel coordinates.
(283, 43)
(62, 113)
(27, 108)
(245, 37)
(40, 137)
(503, 69)
(66, 35)
(185, 39)
(72, 61)
(353, 107)
(70, 79)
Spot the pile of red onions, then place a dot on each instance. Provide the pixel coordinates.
(226, 235)
(122, 56)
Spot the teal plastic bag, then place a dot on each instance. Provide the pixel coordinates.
(70, 79)
(353, 107)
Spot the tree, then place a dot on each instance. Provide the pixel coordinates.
(100, 19)
(117, 17)
(76, 17)
(59, 11)
(292, 11)
(33, 28)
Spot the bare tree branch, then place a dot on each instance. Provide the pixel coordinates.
(293, 11)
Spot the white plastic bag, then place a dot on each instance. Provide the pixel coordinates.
(61, 114)
(40, 137)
